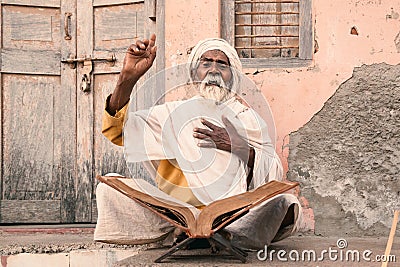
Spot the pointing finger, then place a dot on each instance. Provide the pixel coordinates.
(152, 47)
(152, 41)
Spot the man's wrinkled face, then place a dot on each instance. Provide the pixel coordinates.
(213, 66)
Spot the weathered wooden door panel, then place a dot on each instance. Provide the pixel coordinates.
(37, 106)
(27, 149)
(107, 28)
(52, 146)
(115, 29)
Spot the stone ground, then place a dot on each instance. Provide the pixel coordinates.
(73, 246)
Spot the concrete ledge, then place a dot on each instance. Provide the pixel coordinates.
(92, 258)
(93, 254)
(36, 260)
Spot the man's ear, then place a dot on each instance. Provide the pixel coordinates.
(193, 74)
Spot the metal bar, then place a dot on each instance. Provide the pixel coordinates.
(266, 2)
(67, 22)
(82, 60)
(267, 13)
(223, 240)
(265, 35)
(174, 249)
(267, 47)
(238, 253)
(266, 25)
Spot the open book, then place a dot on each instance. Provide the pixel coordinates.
(195, 222)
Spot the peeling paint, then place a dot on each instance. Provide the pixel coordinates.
(349, 154)
(392, 15)
(354, 30)
(397, 42)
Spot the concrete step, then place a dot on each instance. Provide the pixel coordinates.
(72, 246)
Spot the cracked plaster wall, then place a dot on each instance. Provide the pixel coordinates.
(347, 157)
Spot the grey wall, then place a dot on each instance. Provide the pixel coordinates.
(347, 157)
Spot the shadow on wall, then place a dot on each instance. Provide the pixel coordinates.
(347, 157)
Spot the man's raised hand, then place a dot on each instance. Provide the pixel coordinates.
(139, 58)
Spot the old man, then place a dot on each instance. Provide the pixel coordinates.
(199, 150)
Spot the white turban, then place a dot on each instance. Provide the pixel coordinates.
(222, 45)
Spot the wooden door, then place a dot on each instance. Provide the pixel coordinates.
(106, 28)
(52, 147)
(37, 113)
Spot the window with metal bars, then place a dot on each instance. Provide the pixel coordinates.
(269, 32)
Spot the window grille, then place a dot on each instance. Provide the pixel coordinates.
(269, 32)
(266, 29)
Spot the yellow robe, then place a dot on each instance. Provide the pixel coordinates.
(170, 179)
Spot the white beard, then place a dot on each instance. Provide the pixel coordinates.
(219, 93)
(214, 92)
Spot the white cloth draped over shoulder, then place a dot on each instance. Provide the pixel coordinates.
(166, 132)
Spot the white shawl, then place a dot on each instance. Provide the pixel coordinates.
(166, 132)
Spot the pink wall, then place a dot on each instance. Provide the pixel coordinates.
(187, 22)
(296, 94)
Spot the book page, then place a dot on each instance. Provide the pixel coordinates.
(178, 213)
(222, 212)
(149, 189)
